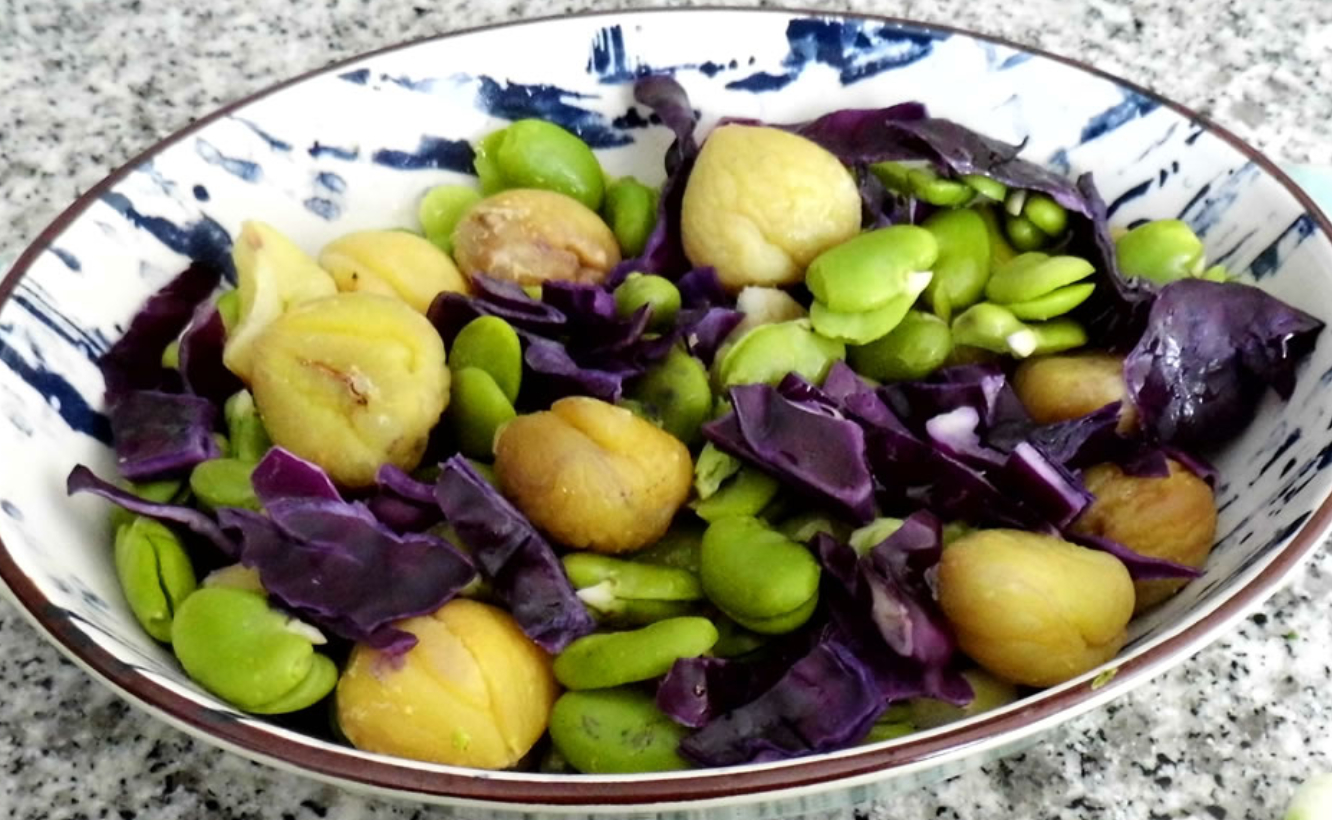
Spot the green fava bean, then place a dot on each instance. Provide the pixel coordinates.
(477, 410)
(237, 647)
(441, 209)
(1033, 275)
(678, 548)
(631, 211)
(171, 355)
(769, 352)
(735, 640)
(991, 189)
(676, 392)
(224, 482)
(160, 492)
(658, 294)
(866, 538)
(1164, 250)
(228, 307)
(616, 578)
(866, 326)
(928, 186)
(1055, 303)
(534, 153)
(760, 578)
(888, 730)
(1024, 234)
(711, 470)
(989, 693)
(607, 659)
(963, 265)
(615, 731)
(803, 527)
(1056, 336)
(491, 344)
(155, 574)
(993, 327)
(248, 438)
(1001, 252)
(746, 494)
(1049, 217)
(917, 347)
(870, 270)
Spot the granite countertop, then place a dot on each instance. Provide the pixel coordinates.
(86, 85)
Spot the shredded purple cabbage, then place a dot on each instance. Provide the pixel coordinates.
(83, 480)
(1140, 567)
(201, 365)
(162, 435)
(281, 474)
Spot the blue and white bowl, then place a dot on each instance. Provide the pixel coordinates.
(354, 146)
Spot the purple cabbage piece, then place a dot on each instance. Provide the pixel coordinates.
(281, 474)
(902, 605)
(83, 480)
(581, 304)
(162, 435)
(1083, 441)
(809, 449)
(1140, 567)
(697, 690)
(557, 374)
(402, 503)
(702, 288)
(333, 563)
(134, 362)
(201, 365)
(842, 382)
(670, 102)
(955, 434)
(1198, 372)
(1145, 462)
(522, 565)
(704, 330)
(860, 135)
(1044, 485)
(974, 385)
(396, 480)
(828, 700)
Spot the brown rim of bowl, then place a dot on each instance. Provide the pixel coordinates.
(720, 783)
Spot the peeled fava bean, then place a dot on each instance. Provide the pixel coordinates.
(761, 203)
(478, 408)
(872, 269)
(1163, 251)
(1034, 609)
(272, 275)
(613, 658)
(769, 352)
(919, 345)
(351, 382)
(592, 475)
(527, 236)
(490, 344)
(392, 263)
(615, 731)
(155, 573)
(236, 646)
(962, 266)
(1171, 517)
(677, 393)
(474, 691)
(761, 579)
(440, 211)
(1069, 386)
(534, 153)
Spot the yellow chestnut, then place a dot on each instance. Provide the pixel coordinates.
(592, 475)
(392, 263)
(474, 691)
(1034, 609)
(527, 236)
(762, 202)
(1171, 517)
(1067, 386)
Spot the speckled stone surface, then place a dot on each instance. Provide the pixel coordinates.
(86, 85)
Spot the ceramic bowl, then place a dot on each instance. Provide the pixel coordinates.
(355, 145)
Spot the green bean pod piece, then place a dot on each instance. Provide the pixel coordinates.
(919, 345)
(155, 574)
(760, 578)
(237, 647)
(630, 209)
(870, 270)
(963, 265)
(534, 153)
(615, 731)
(607, 659)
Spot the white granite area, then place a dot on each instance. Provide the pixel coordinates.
(87, 84)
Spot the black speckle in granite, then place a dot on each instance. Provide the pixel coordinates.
(315, 808)
(1216, 811)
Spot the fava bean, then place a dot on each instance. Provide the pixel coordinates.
(993, 327)
(888, 730)
(237, 647)
(678, 548)
(658, 294)
(171, 355)
(918, 346)
(534, 153)
(1049, 217)
(991, 189)
(1057, 335)
(630, 591)
(734, 640)
(235, 576)
(630, 209)
(224, 482)
(248, 439)
(769, 352)
(1216, 273)
(871, 269)
(928, 186)
(803, 527)
(989, 693)
(864, 327)
(747, 493)
(1055, 303)
(607, 659)
(1033, 275)
(760, 578)
(228, 306)
(711, 469)
(1162, 251)
(441, 210)
(1001, 252)
(491, 344)
(615, 731)
(866, 538)
(155, 574)
(963, 265)
(477, 409)
(1024, 234)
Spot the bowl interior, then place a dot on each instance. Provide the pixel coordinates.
(355, 146)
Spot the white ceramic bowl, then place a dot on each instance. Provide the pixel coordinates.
(355, 145)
